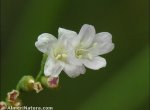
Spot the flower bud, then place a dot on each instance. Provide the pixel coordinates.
(12, 96)
(26, 83)
(3, 105)
(13, 99)
(53, 82)
(44, 81)
(50, 82)
(37, 87)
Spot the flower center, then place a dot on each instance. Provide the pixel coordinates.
(61, 57)
(60, 54)
(80, 53)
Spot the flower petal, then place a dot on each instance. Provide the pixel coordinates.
(103, 43)
(73, 70)
(62, 31)
(65, 36)
(44, 42)
(95, 63)
(52, 68)
(73, 60)
(87, 34)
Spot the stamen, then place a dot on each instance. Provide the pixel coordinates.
(80, 52)
(80, 56)
(64, 55)
(58, 56)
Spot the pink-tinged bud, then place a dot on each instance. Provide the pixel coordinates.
(12, 96)
(53, 82)
(3, 105)
(37, 87)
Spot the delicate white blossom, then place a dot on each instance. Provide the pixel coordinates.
(59, 54)
(88, 46)
(72, 51)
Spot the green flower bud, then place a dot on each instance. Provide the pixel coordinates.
(26, 83)
(44, 81)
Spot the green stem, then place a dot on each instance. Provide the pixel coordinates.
(39, 74)
(42, 67)
(18, 87)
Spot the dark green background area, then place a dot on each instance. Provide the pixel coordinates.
(121, 85)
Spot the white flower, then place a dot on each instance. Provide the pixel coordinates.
(72, 51)
(88, 46)
(59, 53)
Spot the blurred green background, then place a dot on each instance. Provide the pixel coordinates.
(122, 85)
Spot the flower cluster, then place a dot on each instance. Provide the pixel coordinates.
(72, 52)
(27, 83)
